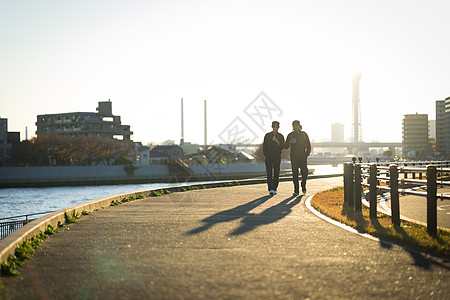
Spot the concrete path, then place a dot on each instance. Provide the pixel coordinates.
(223, 243)
(415, 207)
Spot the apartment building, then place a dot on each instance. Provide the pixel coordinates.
(99, 124)
(415, 135)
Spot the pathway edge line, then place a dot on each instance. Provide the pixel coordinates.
(338, 224)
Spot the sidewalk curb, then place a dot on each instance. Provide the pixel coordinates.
(339, 224)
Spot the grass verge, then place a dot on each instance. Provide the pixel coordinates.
(331, 204)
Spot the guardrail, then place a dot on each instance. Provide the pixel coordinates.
(8, 227)
(397, 181)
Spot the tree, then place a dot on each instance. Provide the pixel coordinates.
(62, 150)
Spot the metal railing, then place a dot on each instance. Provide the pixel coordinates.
(16, 222)
(396, 179)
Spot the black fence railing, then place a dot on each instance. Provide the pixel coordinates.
(10, 224)
(397, 179)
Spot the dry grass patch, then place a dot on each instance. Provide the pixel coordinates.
(331, 204)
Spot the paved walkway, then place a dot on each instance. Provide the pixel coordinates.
(223, 243)
(415, 207)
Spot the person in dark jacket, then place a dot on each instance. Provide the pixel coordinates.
(272, 146)
(300, 146)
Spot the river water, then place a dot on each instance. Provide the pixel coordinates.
(22, 201)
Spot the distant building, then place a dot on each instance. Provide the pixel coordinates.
(173, 151)
(337, 132)
(216, 154)
(189, 148)
(158, 158)
(447, 127)
(220, 155)
(337, 136)
(432, 144)
(440, 126)
(432, 129)
(9, 142)
(168, 142)
(100, 124)
(3, 130)
(142, 154)
(3, 140)
(415, 135)
(432, 135)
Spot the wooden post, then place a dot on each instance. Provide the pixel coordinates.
(395, 203)
(357, 188)
(431, 200)
(373, 191)
(346, 183)
(350, 185)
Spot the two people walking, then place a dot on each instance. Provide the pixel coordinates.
(300, 145)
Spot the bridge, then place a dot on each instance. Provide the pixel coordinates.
(355, 145)
(361, 146)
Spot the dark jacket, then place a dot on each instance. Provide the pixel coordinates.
(302, 145)
(271, 149)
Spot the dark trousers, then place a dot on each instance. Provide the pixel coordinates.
(273, 172)
(296, 163)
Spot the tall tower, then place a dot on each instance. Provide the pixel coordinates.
(356, 110)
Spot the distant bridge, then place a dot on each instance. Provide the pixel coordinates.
(355, 145)
(361, 145)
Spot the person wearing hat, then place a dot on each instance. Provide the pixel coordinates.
(272, 146)
(300, 146)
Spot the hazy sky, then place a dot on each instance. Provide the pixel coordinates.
(65, 56)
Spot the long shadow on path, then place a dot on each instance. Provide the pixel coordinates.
(270, 215)
(229, 214)
(420, 259)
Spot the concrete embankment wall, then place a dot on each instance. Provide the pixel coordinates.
(95, 175)
(39, 176)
